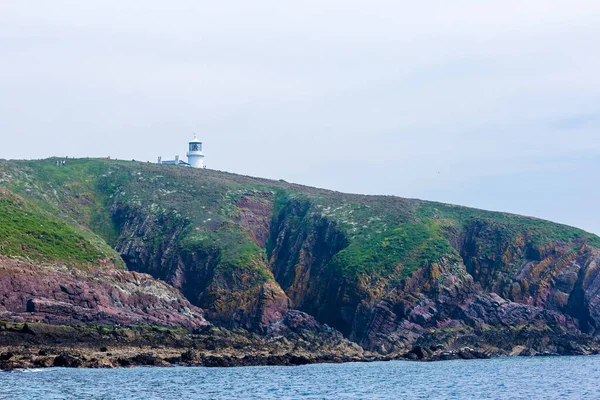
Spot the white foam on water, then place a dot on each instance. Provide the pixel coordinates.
(29, 370)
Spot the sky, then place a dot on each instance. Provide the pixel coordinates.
(489, 104)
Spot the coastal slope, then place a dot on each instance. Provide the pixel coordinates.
(182, 247)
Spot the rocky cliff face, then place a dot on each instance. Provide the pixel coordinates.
(301, 248)
(556, 276)
(57, 294)
(233, 297)
(398, 277)
(493, 281)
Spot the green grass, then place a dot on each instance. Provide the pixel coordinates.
(536, 231)
(408, 247)
(26, 231)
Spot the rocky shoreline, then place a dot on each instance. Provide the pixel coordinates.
(43, 345)
(81, 357)
(25, 346)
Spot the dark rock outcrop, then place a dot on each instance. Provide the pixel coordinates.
(108, 347)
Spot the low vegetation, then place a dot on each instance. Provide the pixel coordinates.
(65, 214)
(29, 232)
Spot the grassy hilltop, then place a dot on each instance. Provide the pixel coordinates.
(61, 212)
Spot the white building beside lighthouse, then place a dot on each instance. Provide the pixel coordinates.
(194, 154)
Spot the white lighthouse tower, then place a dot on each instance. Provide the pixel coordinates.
(195, 155)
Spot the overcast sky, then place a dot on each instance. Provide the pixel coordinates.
(490, 104)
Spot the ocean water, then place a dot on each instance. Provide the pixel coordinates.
(500, 378)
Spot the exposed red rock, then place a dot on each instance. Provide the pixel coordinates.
(67, 295)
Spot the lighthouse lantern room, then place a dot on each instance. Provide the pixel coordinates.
(194, 154)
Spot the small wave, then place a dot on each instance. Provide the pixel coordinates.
(29, 370)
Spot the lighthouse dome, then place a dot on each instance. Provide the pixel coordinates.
(195, 140)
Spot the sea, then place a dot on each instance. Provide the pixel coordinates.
(497, 378)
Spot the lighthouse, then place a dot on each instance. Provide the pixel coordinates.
(195, 155)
